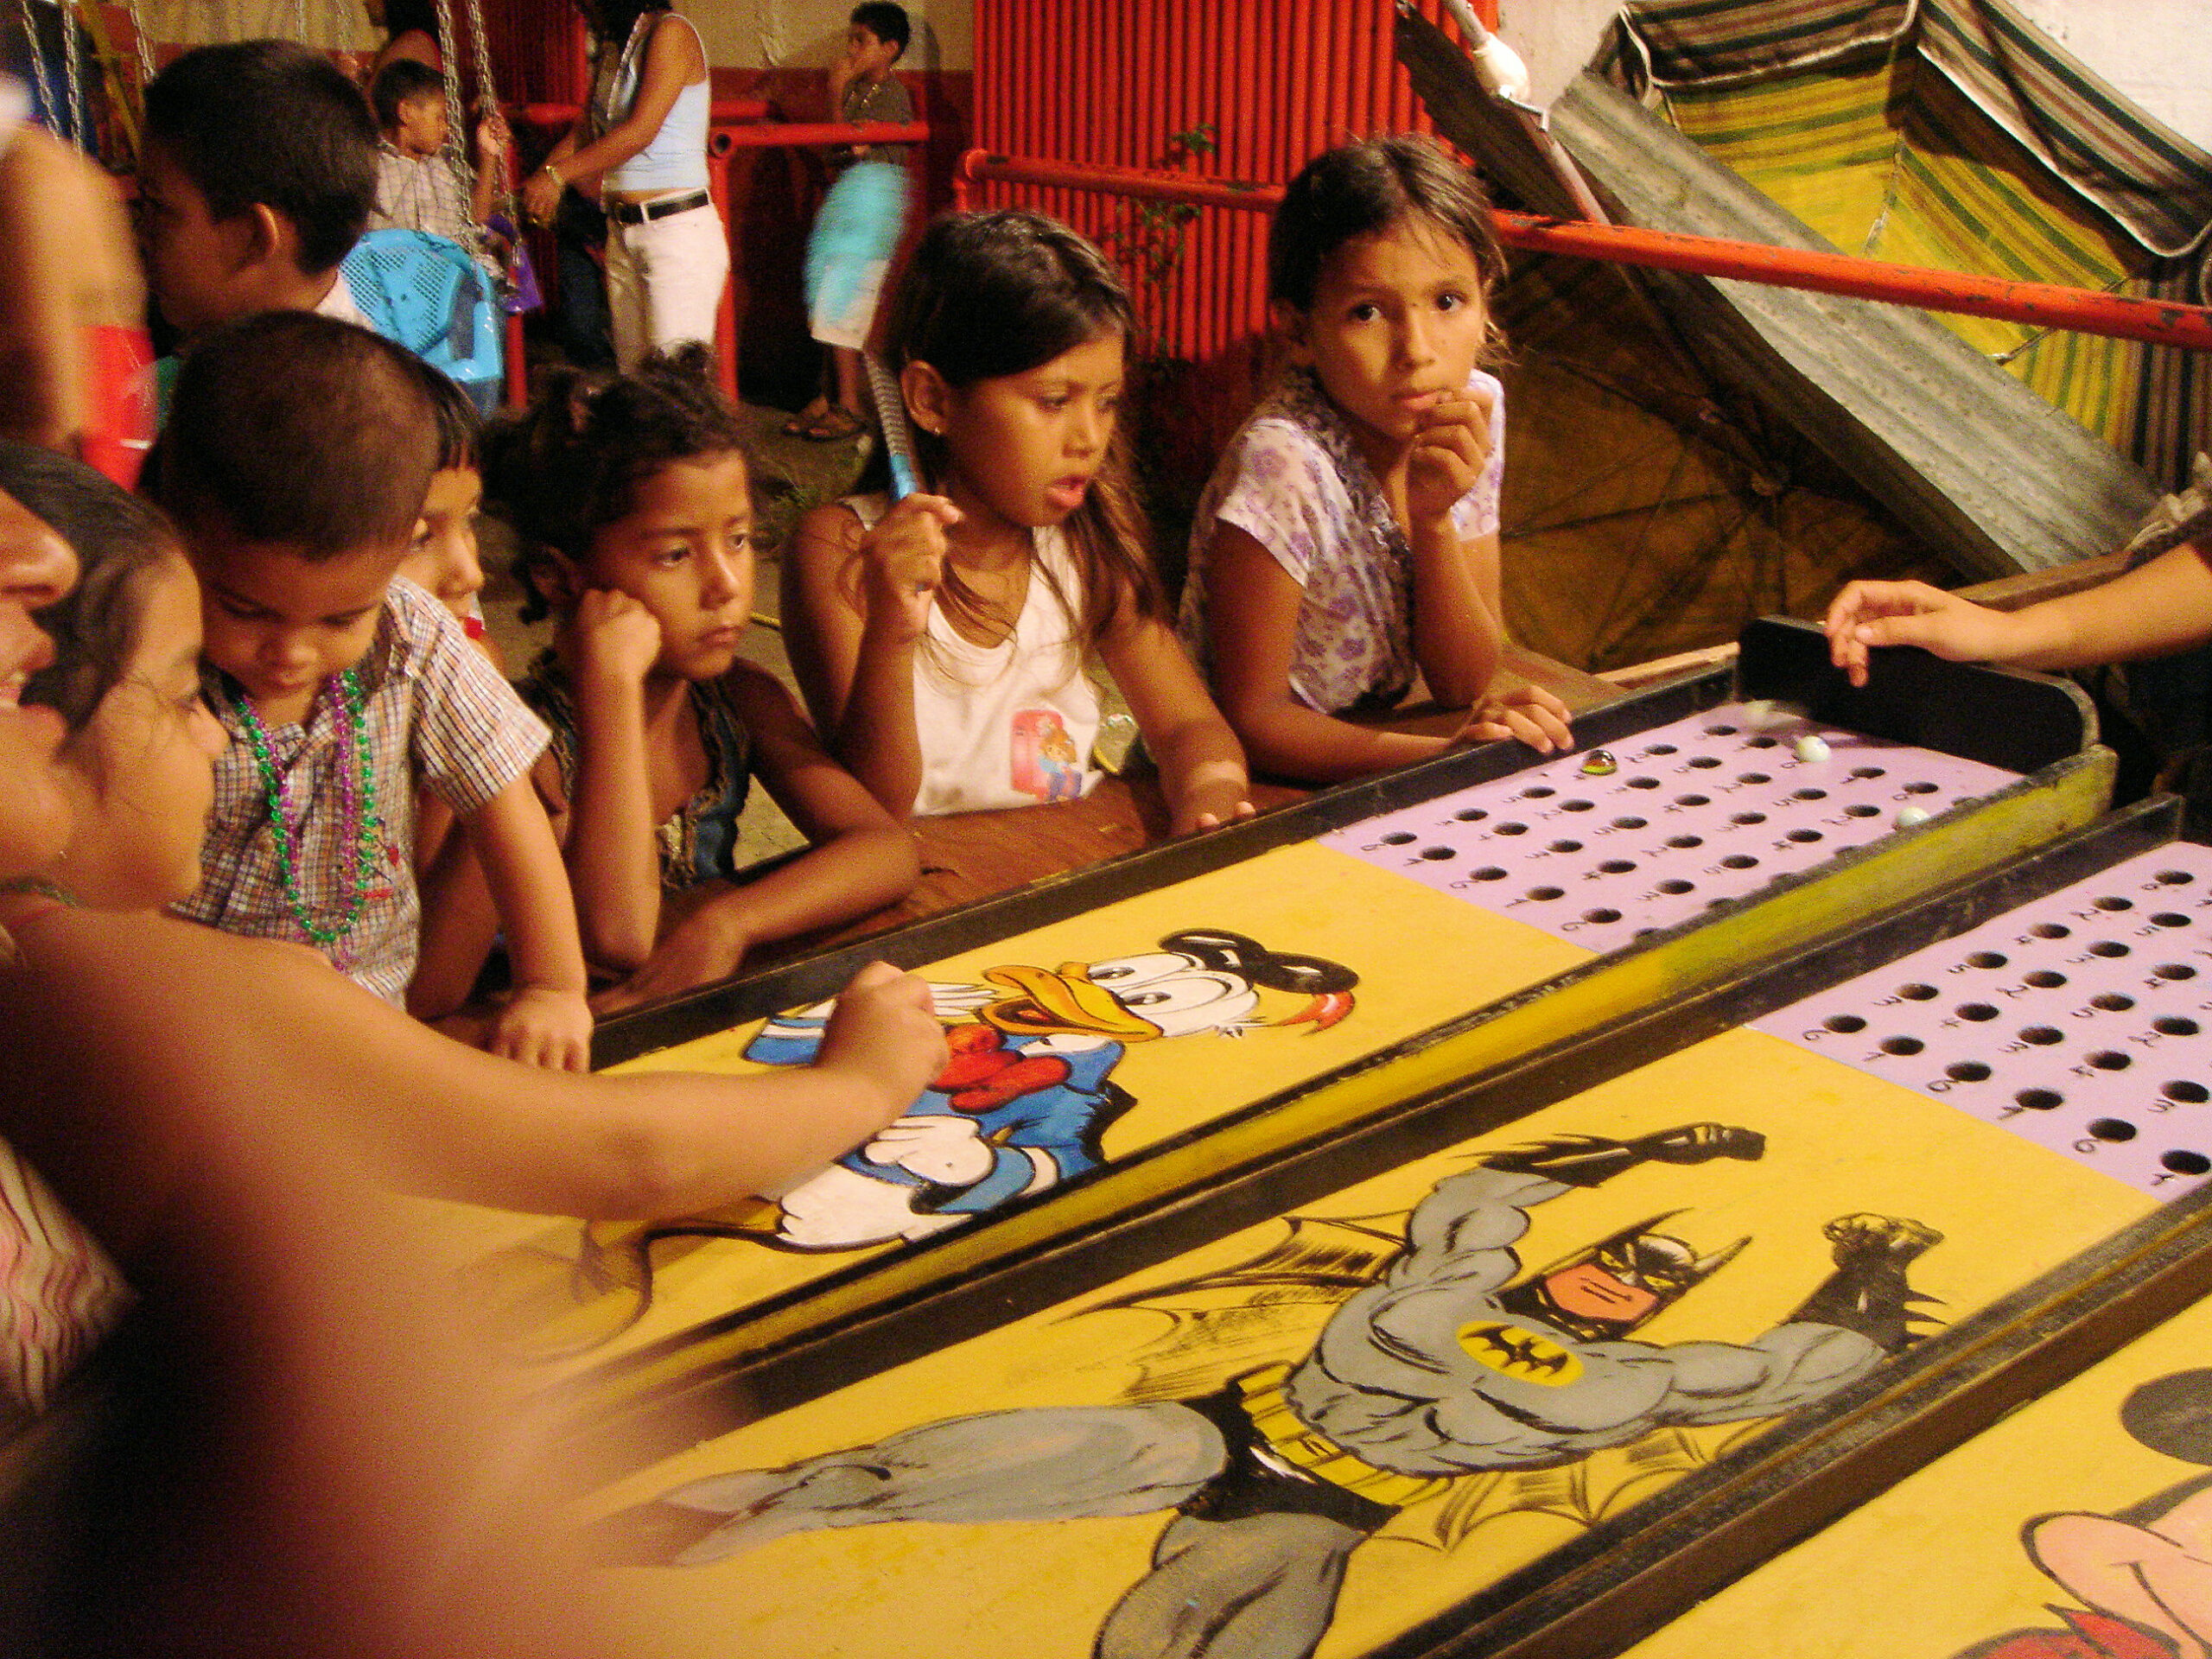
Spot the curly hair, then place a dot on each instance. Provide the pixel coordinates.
(994, 293)
(569, 465)
(119, 540)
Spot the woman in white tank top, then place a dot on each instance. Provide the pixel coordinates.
(643, 139)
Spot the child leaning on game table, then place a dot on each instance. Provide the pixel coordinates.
(1347, 544)
(296, 463)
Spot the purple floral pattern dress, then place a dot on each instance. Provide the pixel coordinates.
(1294, 480)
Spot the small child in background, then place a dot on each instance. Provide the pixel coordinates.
(443, 560)
(416, 190)
(296, 463)
(941, 643)
(862, 89)
(257, 174)
(1347, 544)
(635, 501)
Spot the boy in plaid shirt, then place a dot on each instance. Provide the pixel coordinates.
(297, 458)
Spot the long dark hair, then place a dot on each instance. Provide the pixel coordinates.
(990, 295)
(571, 464)
(610, 21)
(405, 17)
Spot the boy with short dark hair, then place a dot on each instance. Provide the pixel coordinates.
(257, 174)
(417, 189)
(295, 462)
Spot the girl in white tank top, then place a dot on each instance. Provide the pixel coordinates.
(941, 643)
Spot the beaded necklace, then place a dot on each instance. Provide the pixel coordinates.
(357, 801)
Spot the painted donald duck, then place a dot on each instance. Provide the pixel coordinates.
(1028, 1090)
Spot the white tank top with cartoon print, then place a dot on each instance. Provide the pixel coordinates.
(1011, 724)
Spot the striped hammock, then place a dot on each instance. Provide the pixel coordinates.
(1954, 133)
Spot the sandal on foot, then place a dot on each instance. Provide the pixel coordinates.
(835, 425)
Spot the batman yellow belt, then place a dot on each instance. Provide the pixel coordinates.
(1289, 1438)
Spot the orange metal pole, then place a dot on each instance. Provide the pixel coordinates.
(2045, 305)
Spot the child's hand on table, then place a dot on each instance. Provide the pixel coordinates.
(540, 1025)
(884, 1033)
(903, 561)
(1210, 805)
(707, 945)
(1527, 712)
(1870, 613)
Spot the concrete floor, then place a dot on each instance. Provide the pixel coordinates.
(790, 476)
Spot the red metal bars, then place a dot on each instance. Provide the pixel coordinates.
(2039, 304)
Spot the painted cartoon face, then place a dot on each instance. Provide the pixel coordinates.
(1588, 1292)
(684, 551)
(1398, 322)
(1130, 999)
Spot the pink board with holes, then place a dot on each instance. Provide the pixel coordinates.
(1601, 848)
(2082, 1022)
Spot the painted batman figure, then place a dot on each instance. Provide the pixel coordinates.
(1450, 1365)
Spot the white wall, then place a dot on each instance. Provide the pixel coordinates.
(2158, 52)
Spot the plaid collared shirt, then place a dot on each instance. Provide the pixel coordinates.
(437, 715)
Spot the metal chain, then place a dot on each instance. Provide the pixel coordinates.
(144, 42)
(488, 94)
(73, 69)
(457, 136)
(38, 65)
(300, 20)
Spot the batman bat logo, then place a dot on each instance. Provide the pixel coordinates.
(1522, 1354)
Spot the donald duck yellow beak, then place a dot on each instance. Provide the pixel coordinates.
(1044, 1002)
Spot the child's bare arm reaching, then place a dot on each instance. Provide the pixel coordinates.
(546, 1022)
(1201, 766)
(440, 1118)
(853, 629)
(861, 859)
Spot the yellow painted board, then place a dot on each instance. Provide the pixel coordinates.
(1837, 1143)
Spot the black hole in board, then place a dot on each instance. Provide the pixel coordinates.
(1763, 743)
(1805, 837)
(2174, 970)
(2175, 878)
(2110, 1059)
(1685, 840)
(1749, 817)
(2041, 1036)
(2170, 919)
(1844, 1023)
(2185, 1092)
(2040, 1100)
(2175, 1026)
(1986, 959)
(1967, 1072)
(1920, 789)
(1753, 777)
(1917, 992)
(1399, 838)
(1601, 916)
(1565, 846)
(1739, 861)
(1437, 854)
(1808, 794)
(2044, 979)
(1692, 800)
(1976, 1012)
(1860, 810)
(1576, 806)
(1471, 815)
(1869, 771)
(2109, 948)
(1631, 824)
(2112, 1128)
(1538, 792)
(1545, 895)
(1643, 783)
(1902, 1045)
(1677, 886)
(1489, 872)
(1616, 867)
(2051, 930)
(1512, 829)
(1705, 762)
(1663, 748)
(2113, 1001)
(1720, 731)
(2110, 902)
(2185, 1163)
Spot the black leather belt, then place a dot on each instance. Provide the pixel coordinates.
(640, 213)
